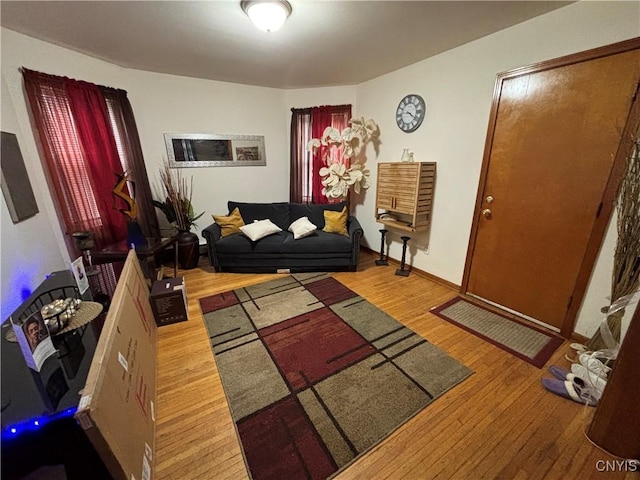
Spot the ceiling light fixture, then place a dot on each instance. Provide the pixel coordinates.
(267, 15)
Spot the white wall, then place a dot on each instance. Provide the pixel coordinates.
(172, 104)
(457, 86)
(35, 247)
(161, 103)
(29, 249)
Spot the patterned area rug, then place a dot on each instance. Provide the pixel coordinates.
(531, 344)
(315, 375)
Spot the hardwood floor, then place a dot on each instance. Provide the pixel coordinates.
(499, 423)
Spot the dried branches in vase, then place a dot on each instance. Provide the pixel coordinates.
(626, 263)
(178, 209)
(177, 205)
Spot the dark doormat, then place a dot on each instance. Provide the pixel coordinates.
(531, 344)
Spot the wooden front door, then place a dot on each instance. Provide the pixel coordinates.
(554, 137)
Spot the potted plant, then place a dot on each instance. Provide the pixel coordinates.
(169, 211)
(178, 209)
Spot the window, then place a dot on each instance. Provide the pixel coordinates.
(308, 123)
(88, 138)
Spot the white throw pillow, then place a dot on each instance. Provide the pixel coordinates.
(260, 229)
(302, 227)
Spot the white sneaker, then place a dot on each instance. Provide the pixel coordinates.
(591, 361)
(594, 382)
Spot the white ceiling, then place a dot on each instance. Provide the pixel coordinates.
(322, 43)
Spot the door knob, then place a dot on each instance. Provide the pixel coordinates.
(487, 213)
(489, 199)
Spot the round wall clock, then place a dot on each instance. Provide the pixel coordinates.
(410, 112)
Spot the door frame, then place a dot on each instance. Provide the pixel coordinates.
(609, 197)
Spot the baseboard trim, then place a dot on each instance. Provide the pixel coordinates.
(417, 271)
(581, 339)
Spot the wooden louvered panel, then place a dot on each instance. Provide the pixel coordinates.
(405, 191)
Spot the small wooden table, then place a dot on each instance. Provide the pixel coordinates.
(147, 254)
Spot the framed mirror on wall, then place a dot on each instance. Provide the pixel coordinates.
(212, 150)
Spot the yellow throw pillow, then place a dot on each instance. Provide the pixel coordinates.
(336, 222)
(230, 223)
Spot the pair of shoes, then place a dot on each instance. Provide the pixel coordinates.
(564, 374)
(581, 353)
(569, 385)
(594, 380)
(593, 363)
(577, 348)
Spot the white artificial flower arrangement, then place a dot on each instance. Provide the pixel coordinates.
(337, 178)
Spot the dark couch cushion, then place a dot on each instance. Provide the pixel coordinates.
(318, 242)
(314, 212)
(242, 245)
(277, 212)
(283, 243)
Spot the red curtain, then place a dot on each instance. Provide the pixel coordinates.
(88, 136)
(125, 131)
(80, 155)
(98, 144)
(337, 116)
(320, 120)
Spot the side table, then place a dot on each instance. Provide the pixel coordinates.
(147, 254)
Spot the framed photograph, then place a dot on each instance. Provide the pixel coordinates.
(34, 339)
(79, 273)
(211, 150)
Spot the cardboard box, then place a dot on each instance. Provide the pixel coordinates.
(117, 407)
(169, 301)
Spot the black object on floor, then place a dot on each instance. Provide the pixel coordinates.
(382, 260)
(402, 271)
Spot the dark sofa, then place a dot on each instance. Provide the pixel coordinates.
(280, 252)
